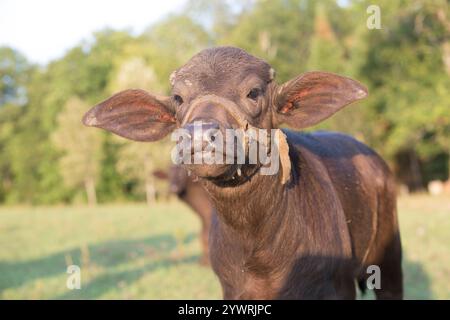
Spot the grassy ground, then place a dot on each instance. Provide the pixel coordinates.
(131, 251)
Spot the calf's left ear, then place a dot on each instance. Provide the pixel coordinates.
(313, 97)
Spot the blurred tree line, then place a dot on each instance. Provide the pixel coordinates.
(46, 156)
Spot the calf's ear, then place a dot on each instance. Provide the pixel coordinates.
(313, 97)
(133, 114)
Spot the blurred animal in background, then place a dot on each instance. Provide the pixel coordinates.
(309, 230)
(189, 190)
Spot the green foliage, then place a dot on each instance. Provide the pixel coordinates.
(169, 43)
(112, 186)
(326, 53)
(410, 83)
(278, 31)
(9, 116)
(14, 73)
(80, 162)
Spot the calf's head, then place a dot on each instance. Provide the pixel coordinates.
(224, 88)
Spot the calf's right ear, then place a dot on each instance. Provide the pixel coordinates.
(313, 97)
(134, 114)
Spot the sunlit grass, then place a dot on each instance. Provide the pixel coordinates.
(136, 252)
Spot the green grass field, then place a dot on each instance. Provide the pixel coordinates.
(136, 252)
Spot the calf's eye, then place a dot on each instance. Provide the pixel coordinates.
(178, 99)
(254, 93)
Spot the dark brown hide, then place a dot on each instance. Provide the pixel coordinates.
(312, 238)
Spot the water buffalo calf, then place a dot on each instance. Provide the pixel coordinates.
(310, 230)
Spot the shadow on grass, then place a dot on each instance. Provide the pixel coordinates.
(111, 280)
(417, 283)
(157, 250)
(107, 254)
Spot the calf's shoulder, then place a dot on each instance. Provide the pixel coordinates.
(360, 178)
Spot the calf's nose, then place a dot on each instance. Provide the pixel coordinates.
(200, 125)
(202, 131)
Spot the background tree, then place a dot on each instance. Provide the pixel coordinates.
(80, 161)
(328, 52)
(169, 43)
(405, 69)
(84, 72)
(278, 31)
(14, 76)
(9, 116)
